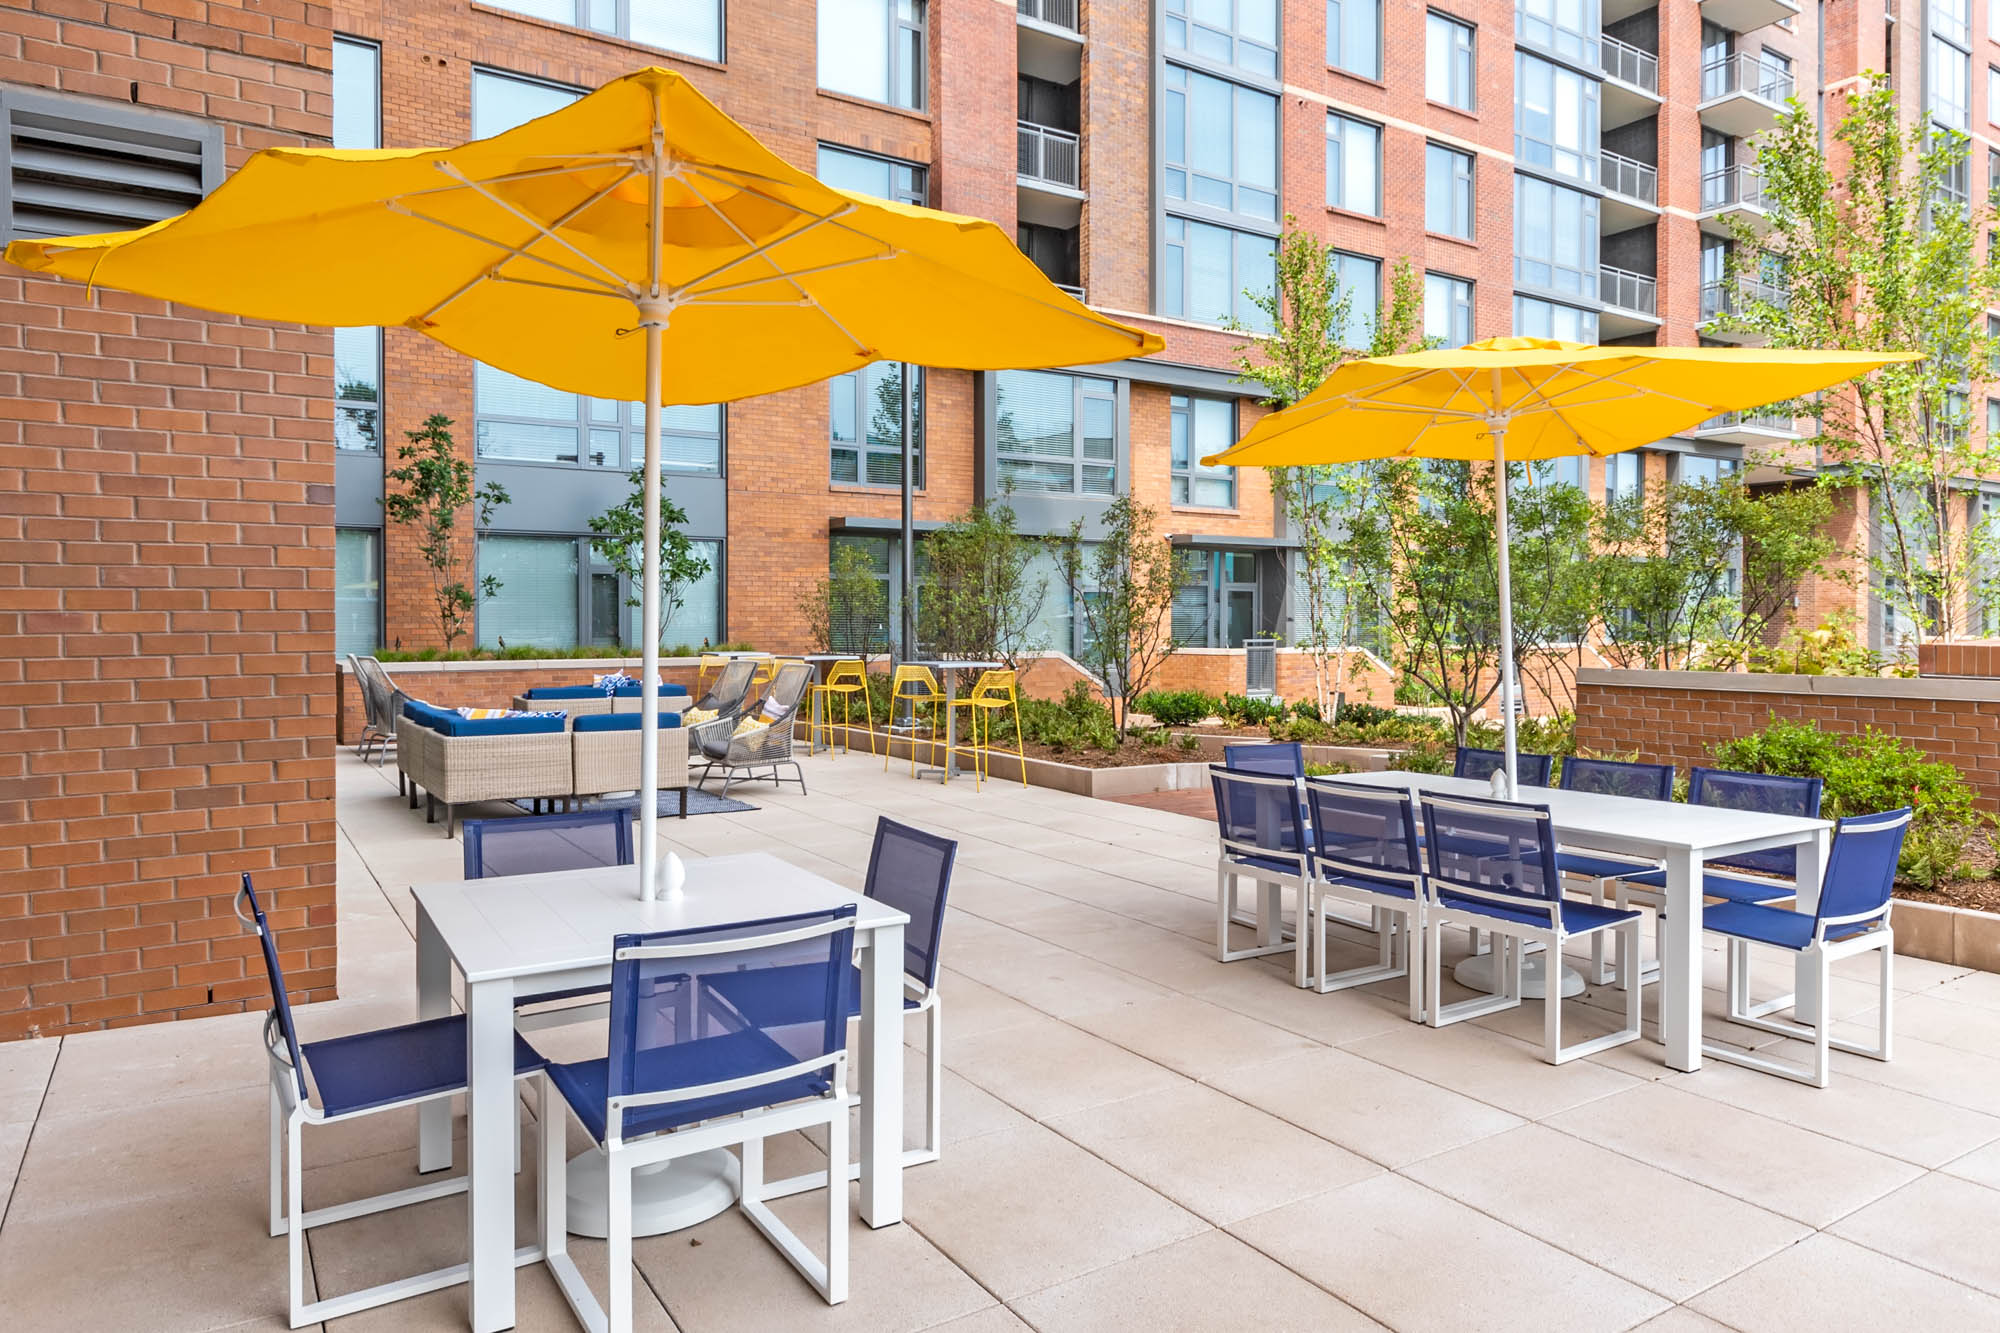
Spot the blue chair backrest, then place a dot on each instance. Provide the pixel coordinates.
(1259, 815)
(672, 1034)
(1364, 833)
(1533, 769)
(281, 1005)
(1861, 869)
(1285, 759)
(1495, 853)
(1615, 777)
(910, 870)
(1767, 793)
(534, 844)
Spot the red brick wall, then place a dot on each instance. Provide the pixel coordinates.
(166, 488)
(1970, 657)
(1679, 717)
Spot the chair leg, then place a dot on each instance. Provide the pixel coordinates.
(1552, 1003)
(295, 1240)
(277, 1163)
(934, 1080)
(1885, 1011)
(837, 1204)
(1433, 972)
(552, 1175)
(618, 1243)
(1020, 750)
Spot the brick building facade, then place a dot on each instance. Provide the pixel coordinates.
(192, 526)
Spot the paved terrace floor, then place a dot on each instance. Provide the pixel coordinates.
(1137, 1136)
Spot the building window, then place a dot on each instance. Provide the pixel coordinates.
(1992, 99)
(1243, 33)
(502, 101)
(1353, 165)
(865, 173)
(1360, 278)
(516, 420)
(1447, 191)
(1547, 319)
(1448, 67)
(698, 618)
(1951, 85)
(1056, 434)
(873, 49)
(686, 27)
(537, 602)
(1220, 145)
(1993, 420)
(72, 166)
(1624, 477)
(1993, 359)
(1701, 470)
(357, 93)
(1202, 426)
(1354, 36)
(1550, 472)
(1952, 20)
(1217, 606)
(1209, 270)
(1555, 118)
(1447, 309)
(1567, 28)
(866, 414)
(1555, 238)
(357, 591)
(357, 352)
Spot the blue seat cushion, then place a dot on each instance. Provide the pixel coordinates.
(622, 721)
(1276, 865)
(1721, 884)
(389, 1065)
(1766, 925)
(1577, 918)
(632, 691)
(773, 997)
(1591, 865)
(687, 1064)
(1386, 888)
(564, 692)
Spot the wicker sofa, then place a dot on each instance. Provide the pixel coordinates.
(454, 761)
(588, 700)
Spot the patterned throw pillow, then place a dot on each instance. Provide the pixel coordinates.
(694, 717)
(489, 714)
(749, 725)
(610, 683)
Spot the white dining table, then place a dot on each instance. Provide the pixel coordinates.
(529, 934)
(1681, 837)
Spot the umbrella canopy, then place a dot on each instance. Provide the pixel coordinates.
(639, 208)
(1525, 399)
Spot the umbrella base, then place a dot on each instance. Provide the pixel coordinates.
(1476, 973)
(665, 1197)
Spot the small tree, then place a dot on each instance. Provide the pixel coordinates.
(1308, 316)
(620, 541)
(434, 485)
(1123, 587)
(847, 609)
(979, 597)
(1874, 244)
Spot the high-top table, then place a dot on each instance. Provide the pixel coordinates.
(1681, 837)
(947, 669)
(531, 934)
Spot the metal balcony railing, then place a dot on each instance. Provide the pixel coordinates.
(1055, 13)
(1745, 72)
(1777, 423)
(1048, 154)
(1729, 298)
(1628, 64)
(1622, 289)
(1739, 186)
(1630, 178)
(1071, 289)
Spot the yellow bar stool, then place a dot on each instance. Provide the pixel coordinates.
(846, 679)
(711, 663)
(992, 692)
(915, 688)
(766, 669)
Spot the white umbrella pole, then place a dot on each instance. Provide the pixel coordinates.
(1508, 689)
(649, 617)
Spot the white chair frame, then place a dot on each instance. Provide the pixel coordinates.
(1396, 943)
(1822, 953)
(1269, 920)
(1603, 891)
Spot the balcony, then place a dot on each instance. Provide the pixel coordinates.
(1735, 193)
(1747, 15)
(1742, 95)
(1050, 13)
(1049, 43)
(1761, 427)
(1049, 164)
(1732, 297)
(1631, 302)
(1631, 82)
(1631, 192)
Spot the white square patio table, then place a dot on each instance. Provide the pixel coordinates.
(1680, 836)
(536, 933)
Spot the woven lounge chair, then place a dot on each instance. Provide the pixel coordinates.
(725, 698)
(382, 705)
(756, 745)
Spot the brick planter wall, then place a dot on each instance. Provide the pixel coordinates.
(1679, 716)
(166, 496)
(1971, 657)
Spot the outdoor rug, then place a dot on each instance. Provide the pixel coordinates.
(699, 803)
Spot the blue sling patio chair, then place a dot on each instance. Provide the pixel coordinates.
(1602, 870)
(1365, 851)
(1262, 835)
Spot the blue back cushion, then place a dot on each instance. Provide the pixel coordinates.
(563, 692)
(428, 715)
(454, 725)
(632, 691)
(622, 721)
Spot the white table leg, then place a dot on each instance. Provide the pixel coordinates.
(1680, 963)
(881, 1077)
(1812, 856)
(492, 1110)
(433, 1001)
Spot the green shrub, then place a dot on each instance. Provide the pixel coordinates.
(1304, 730)
(1251, 712)
(1868, 773)
(1327, 770)
(1431, 755)
(1308, 710)
(1177, 708)
(1077, 721)
(1360, 714)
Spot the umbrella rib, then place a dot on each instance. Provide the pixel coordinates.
(702, 297)
(764, 252)
(1534, 391)
(508, 178)
(616, 278)
(511, 251)
(520, 251)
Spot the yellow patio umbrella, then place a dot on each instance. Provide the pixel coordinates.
(1526, 399)
(640, 208)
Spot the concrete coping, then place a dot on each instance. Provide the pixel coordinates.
(1969, 689)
